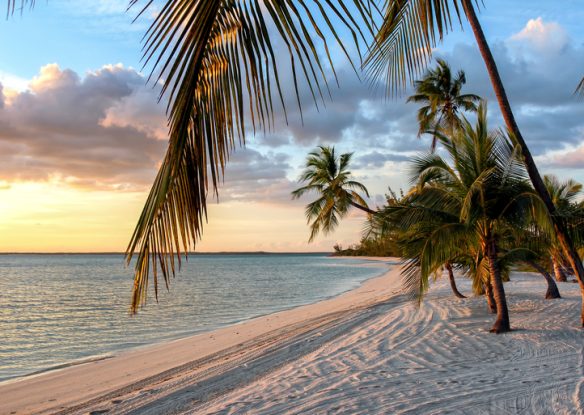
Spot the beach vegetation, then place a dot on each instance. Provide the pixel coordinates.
(403, 47)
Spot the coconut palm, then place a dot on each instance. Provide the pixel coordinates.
(403, 46)
(442, 100)
(329, 177)
(483, 183)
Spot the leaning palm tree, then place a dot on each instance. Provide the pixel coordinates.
(442, 100)
(329, 177)
(403, 46)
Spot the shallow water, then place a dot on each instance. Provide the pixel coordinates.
(55, 309)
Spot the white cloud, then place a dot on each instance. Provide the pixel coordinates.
(541, 36)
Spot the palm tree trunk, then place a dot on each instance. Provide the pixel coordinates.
(490, 298)
(363, 208)
(502, 324)
(552, 288)
(559, 271)
(457, 293)
(559, 226)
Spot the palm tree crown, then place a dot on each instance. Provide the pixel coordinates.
(328, 176)
(442, 100)
(220, 71)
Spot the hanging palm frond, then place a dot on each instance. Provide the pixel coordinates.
(404, 43)
(217, 63)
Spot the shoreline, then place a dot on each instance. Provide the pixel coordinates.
(114, 351)
(374, 262)
(69, 385)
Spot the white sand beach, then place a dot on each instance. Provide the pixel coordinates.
(367, 351)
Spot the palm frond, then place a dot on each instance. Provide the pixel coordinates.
(404, 43)
(215, 59)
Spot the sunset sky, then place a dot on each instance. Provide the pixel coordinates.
(81, 134)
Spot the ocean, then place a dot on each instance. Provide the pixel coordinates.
(60, 309)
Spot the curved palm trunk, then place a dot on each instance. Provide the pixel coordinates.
(490, 298)
(559, 271)
(363, 208)
(559, 226)
(502, 324)
(552, 288)
(457, 293)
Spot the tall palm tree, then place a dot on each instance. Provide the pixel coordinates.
(403, 46)
(442, 100)
(483, 184)
(329, 177)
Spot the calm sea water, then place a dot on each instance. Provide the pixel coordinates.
(55, 309)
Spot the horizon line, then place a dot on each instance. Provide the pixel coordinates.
(182, 253)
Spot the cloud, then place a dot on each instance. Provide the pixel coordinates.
(104, 129)
(568, 158)
(543, 36)
(58, 129)
(540, 90)
(377, 159)
(253, 176)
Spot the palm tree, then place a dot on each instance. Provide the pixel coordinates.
(328, 176)
(483, 184)
(403, 46)
(442, 101)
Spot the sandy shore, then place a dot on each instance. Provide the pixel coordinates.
(368, 351)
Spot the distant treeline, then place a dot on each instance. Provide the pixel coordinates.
(369, 247)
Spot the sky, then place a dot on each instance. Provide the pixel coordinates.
(82, 133)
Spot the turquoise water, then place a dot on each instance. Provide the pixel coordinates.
(55, 309)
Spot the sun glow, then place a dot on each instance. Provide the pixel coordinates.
(55, 217)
